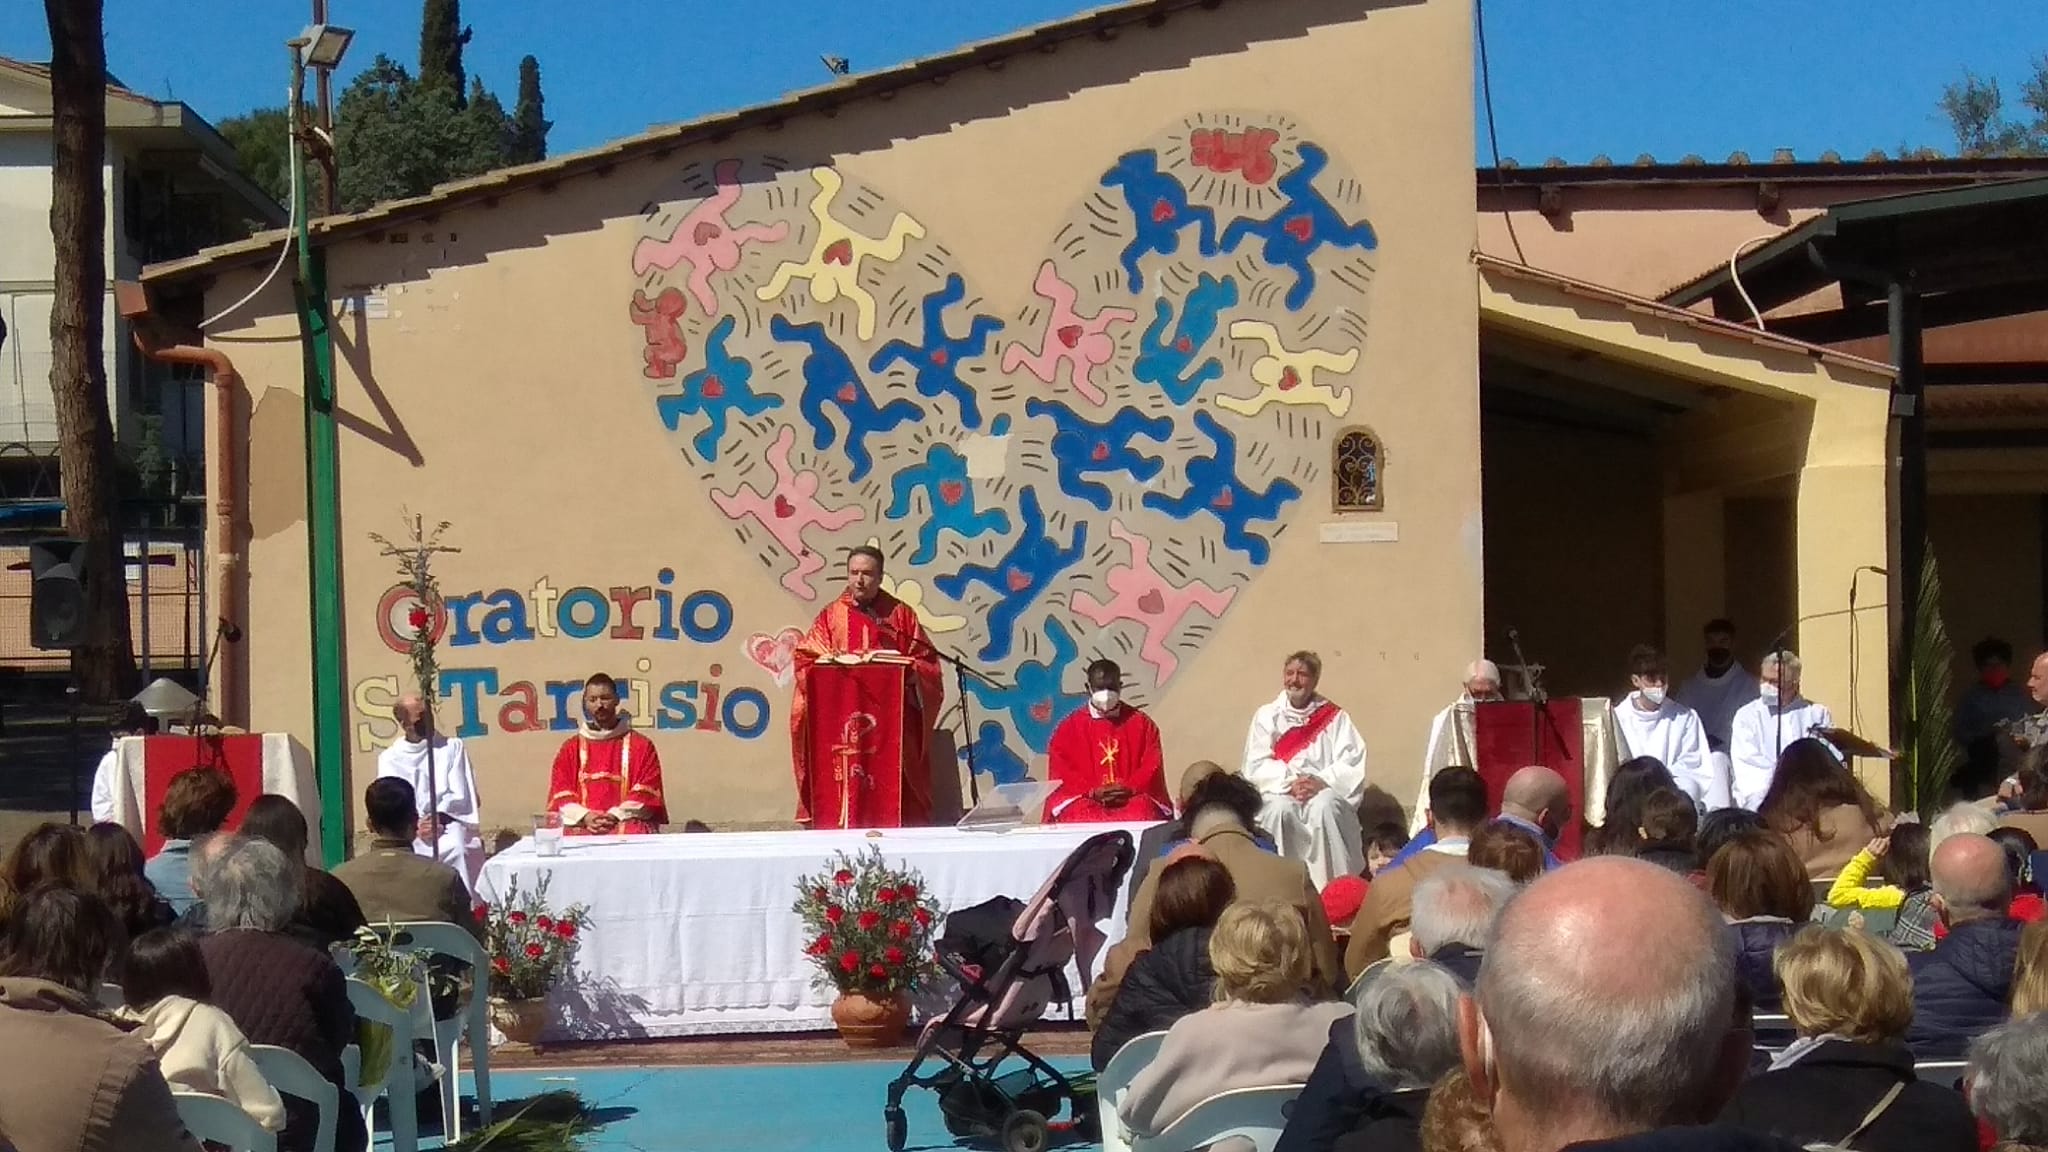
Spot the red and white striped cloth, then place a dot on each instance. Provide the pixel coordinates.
(261, 762)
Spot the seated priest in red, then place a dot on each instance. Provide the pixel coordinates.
(607, 777)
(864, 621)
(1106, 761)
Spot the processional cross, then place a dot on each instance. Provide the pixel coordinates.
(416, 563)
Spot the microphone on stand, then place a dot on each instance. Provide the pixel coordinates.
(1777, 647)
(1538, 699)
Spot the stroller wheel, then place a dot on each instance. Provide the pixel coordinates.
(895, 1130)
(1024, 1131)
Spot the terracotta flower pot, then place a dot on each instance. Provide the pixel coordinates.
(870, 1022)
(522, 1021)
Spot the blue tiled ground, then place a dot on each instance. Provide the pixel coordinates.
(742, 1108)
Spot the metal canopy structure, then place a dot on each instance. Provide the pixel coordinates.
(1902, 264)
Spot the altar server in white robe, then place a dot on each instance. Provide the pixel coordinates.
(1308, 762)
(1764, 726)
(448, 810)
(1454, 736)
(1721, 686)
(1652, 724)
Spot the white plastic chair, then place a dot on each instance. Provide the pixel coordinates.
(442, 939)
(220, 1121)
(371, 1005)
(1945, 1072)
(1114, 1080)
(1255, 1114)
(289, 1073)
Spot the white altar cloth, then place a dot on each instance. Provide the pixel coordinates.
(694, 934)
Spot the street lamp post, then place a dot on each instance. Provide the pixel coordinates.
(321, 47)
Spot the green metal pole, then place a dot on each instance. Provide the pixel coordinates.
(323, 451)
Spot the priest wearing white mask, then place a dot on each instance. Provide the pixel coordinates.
(1308, 762)
(1764, 726)
(1454, 734)
(1652, 724)
(448, 829)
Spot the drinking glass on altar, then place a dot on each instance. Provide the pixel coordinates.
(547, 834)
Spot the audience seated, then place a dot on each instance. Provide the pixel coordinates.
(197, 1047)
(1818, 804)
(1960, 988)
(1716, 829)
(1456, 1120)
(1535, 799)
(2008, 1066)
(1160, 840)
(118, 880)
(2030, 971)
(1578, 1042)
(1961, 817)
(277, 989)
(392, 882)
(1901, 862)
(197, 802)
(329, 913)
(1222, 809)
(50, 854)
(1264, 1028)
(1454, 913)
(2029, 811)
(1758, 884)
(1457, 807)
(1509, 849)
(2019, 845)
(1406, 1034)
(1171, 978)
(1667, 830)
(1382, 843)
(1848, 1079)
(1622, 807)
(75, 1081)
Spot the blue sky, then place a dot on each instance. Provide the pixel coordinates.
(1572, 78)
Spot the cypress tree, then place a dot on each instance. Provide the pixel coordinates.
(529, 135)
(441, 39)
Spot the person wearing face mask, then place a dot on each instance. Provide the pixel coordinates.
(1721, 686)
(1307, 760)
(1453, 735)
(1766, 725)
(1106, 759)
(1652, 724)
(1994, 703)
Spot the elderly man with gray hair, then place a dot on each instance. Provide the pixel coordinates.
(1369, 1088)
(1763, 728)
(1606, 1015)
(1962, 987)
(276, 989)
(2008, 1066)
(1454, 914)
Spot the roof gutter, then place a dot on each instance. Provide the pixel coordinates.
(153, 341)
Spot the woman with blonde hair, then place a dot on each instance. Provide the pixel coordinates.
(2030, 975)
(1848, 1079)
(1263, 1028)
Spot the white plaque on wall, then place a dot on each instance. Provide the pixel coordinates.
(1360, 532)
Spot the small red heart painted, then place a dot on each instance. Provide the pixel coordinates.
(1019, 579)
(1042, 711)
(848, 394)
(706, 232)
(1070, 335)
(1289, 379)
(1161, 211)
(1223, 500)
(1183, 345)
(712, 388)
(951, 491)
(939, 357)
(1301, 228)
(1152, 603)
(783, 508)
(839, 252)
(1100, 453)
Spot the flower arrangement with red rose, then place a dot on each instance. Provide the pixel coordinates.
(868, 926)
(531, 944)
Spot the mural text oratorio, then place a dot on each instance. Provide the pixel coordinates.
(475, 627)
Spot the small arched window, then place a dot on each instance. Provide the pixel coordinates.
(1357, 470)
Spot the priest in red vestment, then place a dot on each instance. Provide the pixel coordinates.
(866, 620)
(607, 777)
(1106, 760)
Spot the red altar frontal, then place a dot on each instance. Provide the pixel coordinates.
(863, 733)
(262, 762)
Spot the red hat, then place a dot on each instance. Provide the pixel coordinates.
(1341, 900)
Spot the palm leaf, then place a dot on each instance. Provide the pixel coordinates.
(550, 1122)
(1929, 759)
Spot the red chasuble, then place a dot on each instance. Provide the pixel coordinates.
(588, 777)
(1089, 751)
(842, 629)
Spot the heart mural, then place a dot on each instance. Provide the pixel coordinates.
(1059, 482)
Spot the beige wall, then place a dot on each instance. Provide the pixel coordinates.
(497, 382)
(1989, 547)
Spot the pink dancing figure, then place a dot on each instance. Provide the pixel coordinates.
(1082, 343)
(705, 240)
(786, 510)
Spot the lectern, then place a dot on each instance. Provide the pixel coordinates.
(856, 731)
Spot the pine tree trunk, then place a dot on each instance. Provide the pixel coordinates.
(105, 665)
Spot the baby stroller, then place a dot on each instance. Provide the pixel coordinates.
(1010, 970)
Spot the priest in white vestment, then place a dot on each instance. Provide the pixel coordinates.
(448, 829)
(1308, 762)
(1764, 726)
(1650, 723)
(1717, 690)
(1454, 735)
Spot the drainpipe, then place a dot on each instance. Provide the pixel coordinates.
(132, 300)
